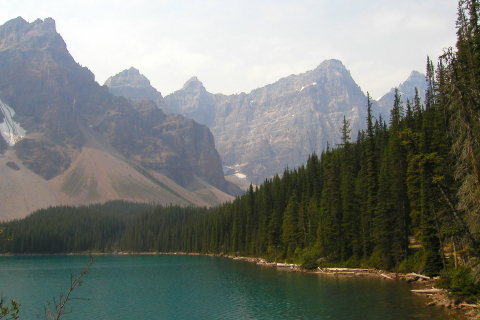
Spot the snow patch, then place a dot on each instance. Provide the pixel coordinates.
(313, 83)
(10, 130)
(240, 176)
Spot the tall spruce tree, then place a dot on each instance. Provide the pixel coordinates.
(462, 86)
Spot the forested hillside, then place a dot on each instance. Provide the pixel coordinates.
(356, 203)
(404, 196)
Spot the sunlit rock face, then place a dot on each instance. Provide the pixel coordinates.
(260, 133)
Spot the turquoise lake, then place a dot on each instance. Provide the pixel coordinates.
(202, 287)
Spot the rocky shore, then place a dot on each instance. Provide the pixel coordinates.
(426, 285)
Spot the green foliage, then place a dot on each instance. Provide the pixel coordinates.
(65, 229)
(310, 259)
(461, 284)
(356, 204)
(350, 206)
(2, 241)
(9, 312)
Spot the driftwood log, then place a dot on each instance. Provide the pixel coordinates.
(428, 290)
(418, 275)
(387, 277)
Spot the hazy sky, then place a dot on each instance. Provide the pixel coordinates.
(237, 46)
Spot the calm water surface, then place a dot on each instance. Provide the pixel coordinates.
(200, 287)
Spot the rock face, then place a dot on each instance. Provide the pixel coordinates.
(406, 91)
(130, 83)
(261, 133)
(66, 113)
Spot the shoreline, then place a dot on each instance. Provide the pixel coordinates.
(438, 297)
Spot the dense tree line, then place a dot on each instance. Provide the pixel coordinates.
(71, 229)
(356, 203)
(405, 195)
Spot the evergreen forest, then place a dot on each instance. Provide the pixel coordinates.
(403, 196)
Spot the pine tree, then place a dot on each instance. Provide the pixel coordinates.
(290, 231)
(463, 88)
(350, 214)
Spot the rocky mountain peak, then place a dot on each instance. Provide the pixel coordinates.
(260, 133)
(30, 35)
(415, 80)
(15, 25)
(47, 25)
(329, 70)
(130, 77)
(415, 74)
(194, 85)
(70, 119)
(406, 90)
(332, 63)
(328, 75)
(130, 83)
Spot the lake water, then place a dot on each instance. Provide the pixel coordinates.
(202, 287)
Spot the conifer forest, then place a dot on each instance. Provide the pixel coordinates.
(404, 195)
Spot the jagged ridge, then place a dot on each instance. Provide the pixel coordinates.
(65, 112)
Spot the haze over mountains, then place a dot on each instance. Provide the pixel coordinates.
(260, 133)
(83, 145)
(67, 140)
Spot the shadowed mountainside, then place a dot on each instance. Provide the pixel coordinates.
(79, 137)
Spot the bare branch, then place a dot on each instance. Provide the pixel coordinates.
(59, 307)
(11, 311)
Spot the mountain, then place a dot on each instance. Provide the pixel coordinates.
(406, 90)
(130, 83)
(66, 140)
(260, 133)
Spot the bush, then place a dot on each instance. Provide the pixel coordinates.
(461, 284)
(310, 259)
(413, 263)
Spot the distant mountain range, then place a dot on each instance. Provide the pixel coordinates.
(66, 140)
(260, 133)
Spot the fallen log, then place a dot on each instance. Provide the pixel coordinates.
(385, 276)
(428, 290)
(286, 265)
(466, 305)
(348, 270)
(418, 275)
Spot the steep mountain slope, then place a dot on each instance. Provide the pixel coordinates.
(83, 144)
(261, 133)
